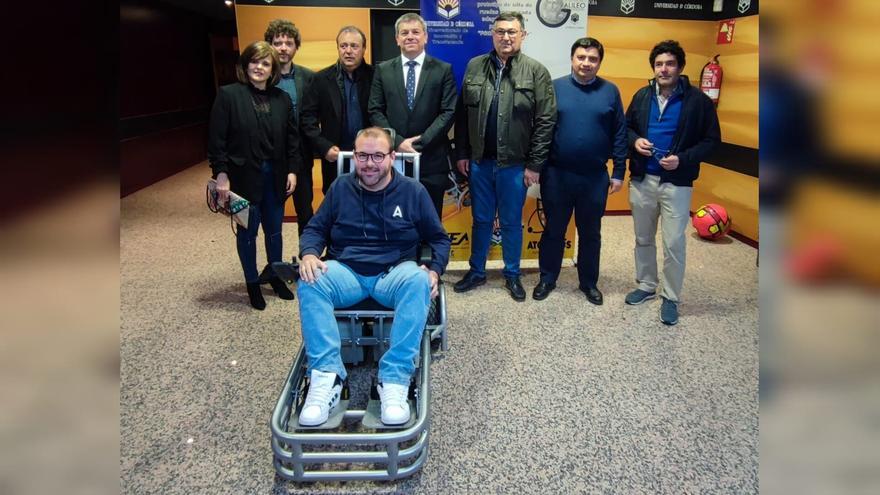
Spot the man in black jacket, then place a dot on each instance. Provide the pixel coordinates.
(335, 106)
(415, 95)
(672, 127)
(286, 40)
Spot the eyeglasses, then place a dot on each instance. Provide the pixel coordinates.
(377, 157)
(501, 32)
(659, 153)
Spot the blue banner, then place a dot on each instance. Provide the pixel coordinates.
(458, 31)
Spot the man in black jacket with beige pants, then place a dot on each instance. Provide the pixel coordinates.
(672, 127)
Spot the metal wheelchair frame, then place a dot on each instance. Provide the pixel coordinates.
(357, 447)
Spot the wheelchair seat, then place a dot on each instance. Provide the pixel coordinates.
(368, 304)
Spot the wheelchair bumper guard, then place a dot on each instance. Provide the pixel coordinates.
(292, 460)
(365, 454)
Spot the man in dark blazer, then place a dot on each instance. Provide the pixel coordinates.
(335, 104)
(286, 40)
(415, 94)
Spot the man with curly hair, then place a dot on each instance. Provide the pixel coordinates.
(284, 36)
(672, 127)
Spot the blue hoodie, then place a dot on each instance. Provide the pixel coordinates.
(371, 232)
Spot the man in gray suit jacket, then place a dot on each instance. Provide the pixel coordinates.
(415, 94)
(285, 37)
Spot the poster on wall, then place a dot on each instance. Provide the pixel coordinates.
(725, 32)
(552, 26)
(459, 31)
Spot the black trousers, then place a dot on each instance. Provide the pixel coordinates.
(302, 198)
(564, 192)
(328, 175)
(436, 185)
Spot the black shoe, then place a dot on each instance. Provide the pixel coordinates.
(542, 290)
(256, 296)
(593, 295)
(469, 281)
(281, 289)
(514, 286)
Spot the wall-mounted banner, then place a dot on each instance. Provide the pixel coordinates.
(552, 26)
(458, 222)
(692, 10)
(458, 30)
(367, 4)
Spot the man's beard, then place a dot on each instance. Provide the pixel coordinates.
(376, 179)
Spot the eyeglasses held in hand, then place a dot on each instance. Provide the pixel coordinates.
(659, 153)
(377, 157)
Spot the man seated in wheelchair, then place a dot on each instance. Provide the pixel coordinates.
(371, 222)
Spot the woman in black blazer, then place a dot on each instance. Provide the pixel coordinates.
(253, 148)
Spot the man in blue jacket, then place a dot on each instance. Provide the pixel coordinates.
(371, 223)
(590, 129)
(672, 127)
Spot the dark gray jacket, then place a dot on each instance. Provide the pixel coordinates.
(526, 111)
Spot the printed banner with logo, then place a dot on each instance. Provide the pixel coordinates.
(459, 31)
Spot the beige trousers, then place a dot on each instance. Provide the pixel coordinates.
(649, 200)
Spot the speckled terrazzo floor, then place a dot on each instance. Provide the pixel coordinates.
(557, 396)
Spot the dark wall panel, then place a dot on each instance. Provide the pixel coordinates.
(151, 158)
(166, 88)
(165, 60)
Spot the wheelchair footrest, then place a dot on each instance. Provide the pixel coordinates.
(373, 417)
(333, 421)
(288, 272)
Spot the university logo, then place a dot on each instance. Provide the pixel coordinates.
(397, 213)
(448, 9)
(495, 240)
(551, 12)
(627, 6)
(743, 6)
(395, 2)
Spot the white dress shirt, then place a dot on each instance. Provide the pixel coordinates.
(420, 61)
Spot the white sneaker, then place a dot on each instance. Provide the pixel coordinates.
(324, 392)
(395, 408)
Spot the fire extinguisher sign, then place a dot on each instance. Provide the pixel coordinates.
(725, 32)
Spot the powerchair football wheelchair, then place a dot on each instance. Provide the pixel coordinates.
(354, 444)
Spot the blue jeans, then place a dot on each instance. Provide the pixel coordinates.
(406, 288)
(269, 212)
(502, 189)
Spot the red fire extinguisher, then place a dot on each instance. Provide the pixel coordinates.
(710, 79)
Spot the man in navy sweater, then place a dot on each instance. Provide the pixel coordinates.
(590, 129)
(672, 127)
(371, 223)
